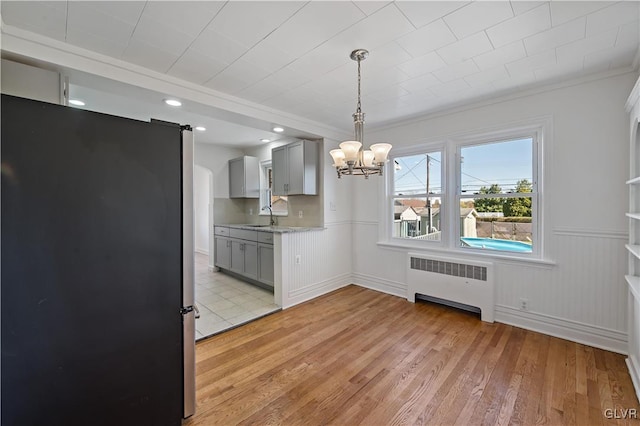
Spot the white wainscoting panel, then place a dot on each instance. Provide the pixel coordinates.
(582, 296)
(585, 291)
(324, 262)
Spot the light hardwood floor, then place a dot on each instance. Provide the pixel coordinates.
(356, 356)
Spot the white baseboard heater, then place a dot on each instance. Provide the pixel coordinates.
(460, 281)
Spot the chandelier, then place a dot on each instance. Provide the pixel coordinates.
(350, 158)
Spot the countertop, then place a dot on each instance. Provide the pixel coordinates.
(275, 229)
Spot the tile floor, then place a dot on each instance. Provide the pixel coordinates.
(225, 302)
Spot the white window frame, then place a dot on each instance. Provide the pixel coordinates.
(265, 191)
(538, 129)
(421, 149)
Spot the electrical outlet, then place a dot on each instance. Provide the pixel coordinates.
(300, 214)
(332, 206)
(524, 304)
(298, 259)
(250, 212)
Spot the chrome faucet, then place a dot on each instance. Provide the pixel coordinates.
(271, 219)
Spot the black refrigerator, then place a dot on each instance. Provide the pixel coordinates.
(96, 268)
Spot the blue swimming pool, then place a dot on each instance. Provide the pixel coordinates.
(490, 243)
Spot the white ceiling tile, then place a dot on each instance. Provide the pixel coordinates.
(376, 30)
(287, 77)
(456, 71)
(268, 56)
(446, 89)
(46, 18)
(321, 60)
(560, 70)
(619, 56)
(612, 17)
(466, 48)
(478, 16)
(125, 11)
(262, 91)
(585, 46)
(521, 26)
(96, 44)
(83, 17)
(565, 11)
(301, 33)
(557, 36)
(148, 56)
(532, 63)
(387, 56)
(628, 34)
(392, 92)
(420, 83)
(189, 17)
(370, 7)
(515, 82)
(427, 39)
(521, 6)
(236, 77)
(380, 78)
(421, 13)
(422, 65)
(168, 39)
(218, 46)
(248, 22)
(195, 67)
(622, 56)
(509, 53)
(484, 77)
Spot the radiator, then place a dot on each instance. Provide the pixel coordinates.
(456, 280)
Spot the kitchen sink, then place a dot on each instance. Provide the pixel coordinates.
(259, 226)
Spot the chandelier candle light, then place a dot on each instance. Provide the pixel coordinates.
(350, 158)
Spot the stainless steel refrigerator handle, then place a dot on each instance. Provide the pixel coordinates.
(195, 308)
(188, 276)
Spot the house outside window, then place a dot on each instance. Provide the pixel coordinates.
(473, 193)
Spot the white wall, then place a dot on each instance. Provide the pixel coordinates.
(201, 195)
(215, 158)
(582, 296)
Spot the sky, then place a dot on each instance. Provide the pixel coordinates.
(504, 163)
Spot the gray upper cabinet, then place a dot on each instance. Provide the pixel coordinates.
(244, 178)
(295, 168)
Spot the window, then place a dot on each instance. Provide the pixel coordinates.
(476, 193)
(278, 203)
(496, 195)
(417, 188)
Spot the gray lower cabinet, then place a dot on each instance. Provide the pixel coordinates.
(245, 252)
(222, 252)
(265, 264)
(244, 258)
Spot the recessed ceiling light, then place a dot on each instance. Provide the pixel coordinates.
(173, 102)
(278, 129)
(265, 140)
(76, 102)
(201, 128)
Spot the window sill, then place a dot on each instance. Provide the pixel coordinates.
(439, 249)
